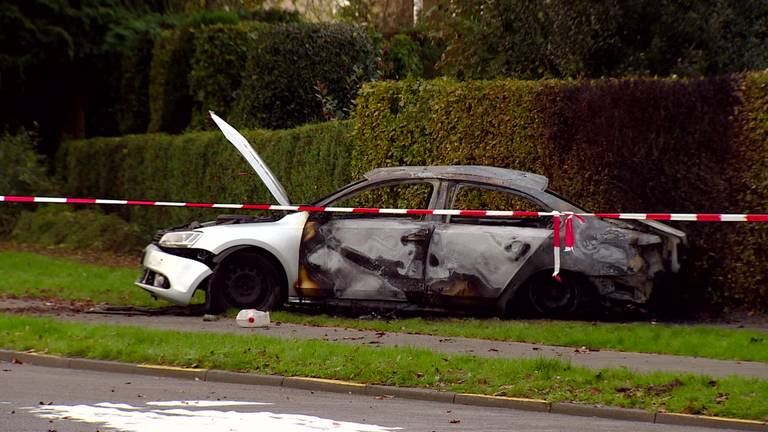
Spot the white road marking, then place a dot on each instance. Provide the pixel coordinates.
(116, 405)
(204, 403)
(127, 418)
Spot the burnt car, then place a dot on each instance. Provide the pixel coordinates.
(420, 260)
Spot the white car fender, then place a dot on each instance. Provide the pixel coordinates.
(281, 238)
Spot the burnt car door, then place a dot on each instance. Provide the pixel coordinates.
(473, 259)
(366, 256)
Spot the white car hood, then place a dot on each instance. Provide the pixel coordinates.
(250, 155)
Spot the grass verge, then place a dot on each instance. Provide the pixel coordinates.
(32, 275)
(552, 380)
(698, 341)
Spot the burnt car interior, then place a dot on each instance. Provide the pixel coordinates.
(473, 196)
(439, 261)
(418, 258)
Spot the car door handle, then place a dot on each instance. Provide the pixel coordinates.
(418, 236)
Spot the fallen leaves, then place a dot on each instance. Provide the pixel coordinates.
(652, 389)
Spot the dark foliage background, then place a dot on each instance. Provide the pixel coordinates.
(82, 68)
(585, 38)
(300, 73)
(632, 145)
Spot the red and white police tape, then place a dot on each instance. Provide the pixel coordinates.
(555, 215)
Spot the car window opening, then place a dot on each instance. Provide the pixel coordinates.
(475, 197)
(413, 195)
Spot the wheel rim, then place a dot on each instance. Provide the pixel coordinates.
(246, 287)
(552, 297)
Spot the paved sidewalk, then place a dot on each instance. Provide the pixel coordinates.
(593, 359)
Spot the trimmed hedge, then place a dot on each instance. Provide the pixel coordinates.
(643, 145)
(746, 271)
(169, 97)
(133, 85)
(219, 53)
(300, 73)
(309, 161)
(265, 75)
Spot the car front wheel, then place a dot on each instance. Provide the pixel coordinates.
(245, 281)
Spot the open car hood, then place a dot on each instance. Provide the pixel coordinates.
(250, 155)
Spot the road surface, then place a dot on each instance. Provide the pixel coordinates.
(34, 398)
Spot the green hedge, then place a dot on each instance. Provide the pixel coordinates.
(22, 172)
(400, 58)
(300, 73)
(265, 75)
(133, 85)
(132, 44)
(170, 100)
(612, 145)
(219, 53)
(746, 269)
(310, 161)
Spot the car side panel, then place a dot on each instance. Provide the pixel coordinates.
(476, 261)
(363, 258)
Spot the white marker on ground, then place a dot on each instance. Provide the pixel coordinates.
(116, 405)
(204, 403)
(127, 418)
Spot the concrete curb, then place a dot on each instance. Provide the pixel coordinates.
(319, 384)
(630, 414)
(502, 402)
(214, 375)
(712, 422)
(101, 365)
(171, 372)
(410, 393)
(335, 386)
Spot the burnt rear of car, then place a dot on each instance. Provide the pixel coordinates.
(626, 262)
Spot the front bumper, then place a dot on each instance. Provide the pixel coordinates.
(171, 277)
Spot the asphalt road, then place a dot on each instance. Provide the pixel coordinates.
(34, 398)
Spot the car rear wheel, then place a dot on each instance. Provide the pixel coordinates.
(552, 298)
(246, 281)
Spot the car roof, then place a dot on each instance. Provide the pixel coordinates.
(477, 173)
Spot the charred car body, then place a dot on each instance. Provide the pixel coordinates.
(411, 259)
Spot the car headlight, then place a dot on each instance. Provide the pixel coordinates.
(180, 239)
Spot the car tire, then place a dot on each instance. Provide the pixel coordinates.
(246, 281)
(554, 298)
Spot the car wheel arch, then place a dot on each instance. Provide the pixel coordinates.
(505, 301)
(233, 252)
(515, 295)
